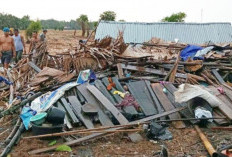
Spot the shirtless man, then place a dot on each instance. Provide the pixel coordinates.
(33, 46)
(7, 49)
(33, 43)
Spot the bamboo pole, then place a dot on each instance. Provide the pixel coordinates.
(206, 142)
(79, 131)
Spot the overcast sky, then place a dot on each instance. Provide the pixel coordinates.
(129, 10)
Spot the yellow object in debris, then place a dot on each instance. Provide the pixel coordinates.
(121, 94)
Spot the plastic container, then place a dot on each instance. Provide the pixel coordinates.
(39, 118)
(55, 116)
(41, 130)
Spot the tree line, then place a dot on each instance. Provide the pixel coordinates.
(11, 21)
(82, 22)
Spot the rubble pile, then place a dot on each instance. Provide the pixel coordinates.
(127, 88)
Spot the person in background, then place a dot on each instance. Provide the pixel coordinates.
(33, 43)
(7, 48)
(11, 32)
(43, 35)
(19, 45)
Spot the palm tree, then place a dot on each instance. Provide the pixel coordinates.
(83, 21)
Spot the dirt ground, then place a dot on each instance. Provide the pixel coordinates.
(185, 142)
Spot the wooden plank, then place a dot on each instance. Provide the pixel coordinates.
(127, 109)
(120, 71)
(217, 113)
(167, 105)
(225, 106)
(118, 99)
(76, 105)
(155, 99)
(66, 120)
(170, 94)
(141, 94)
(175, 67)
(80, 96)
(110, 107)
(118, 84)
(103, 118)
(107, 104)
(103, 89)
(97, 135)
(150, 70)
(35, 67)
(70, 112)
(218, 76)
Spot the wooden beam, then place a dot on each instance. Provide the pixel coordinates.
(173, 73)
(167, 105)
(70, 112)
(107, 104)
(142, 95)
(35, 67)
(76, 105)
(103, 118)
(150, 70)
(120, 71)
(218, 76)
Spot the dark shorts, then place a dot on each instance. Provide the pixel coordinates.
(6, 57)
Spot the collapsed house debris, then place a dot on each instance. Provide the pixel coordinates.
(132, 89)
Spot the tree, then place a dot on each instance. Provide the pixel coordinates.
(35, 26)
(108, 16)
(95, 23)
(178, 17)
(83, 21)
(25, 21)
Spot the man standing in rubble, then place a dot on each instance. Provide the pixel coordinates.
(19, 45)
(42, 36)
(7, 49)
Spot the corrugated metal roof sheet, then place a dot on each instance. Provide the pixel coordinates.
(192, 33)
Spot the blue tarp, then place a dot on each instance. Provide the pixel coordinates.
(2, 79)
(190, 51)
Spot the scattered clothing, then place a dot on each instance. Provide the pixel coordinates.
(158, 132)
(129, 100)
(121, 94)
(111, 84)
(201, 112)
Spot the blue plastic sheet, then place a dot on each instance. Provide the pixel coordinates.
(190, 51)
(2, 79)
(26, 115)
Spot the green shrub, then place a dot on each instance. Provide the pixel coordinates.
(35, 26)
